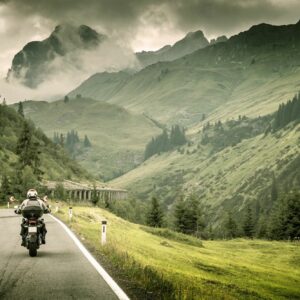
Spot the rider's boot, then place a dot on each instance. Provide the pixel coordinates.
(43, 239)
(23, 241)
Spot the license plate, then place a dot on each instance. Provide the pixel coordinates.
(32, 230)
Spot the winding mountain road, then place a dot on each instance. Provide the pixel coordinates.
(60, 271)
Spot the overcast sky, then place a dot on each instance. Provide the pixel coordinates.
(140, 24)
(143, 24)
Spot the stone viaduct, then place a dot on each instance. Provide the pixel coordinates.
(83, 191)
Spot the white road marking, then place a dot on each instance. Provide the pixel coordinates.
(113, 285)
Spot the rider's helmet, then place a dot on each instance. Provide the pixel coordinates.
(32, 194)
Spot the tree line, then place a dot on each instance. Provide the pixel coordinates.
(165, 141)
(23, 153)
(26, 170)
(71, 141)
(189, 217)
(287, 112)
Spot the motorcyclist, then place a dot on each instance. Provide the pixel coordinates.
(32, 195)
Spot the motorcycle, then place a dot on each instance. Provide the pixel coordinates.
(33, 224)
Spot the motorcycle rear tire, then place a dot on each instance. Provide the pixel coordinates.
(32, 250)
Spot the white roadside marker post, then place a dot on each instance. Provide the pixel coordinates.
(8, 204)
(56, 208)
(103, 232)
(70, 213)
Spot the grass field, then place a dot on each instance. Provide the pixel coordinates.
(118, 137)
(162, 264)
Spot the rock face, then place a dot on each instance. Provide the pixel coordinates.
(190, 43)
(31, 64)
(219, 39)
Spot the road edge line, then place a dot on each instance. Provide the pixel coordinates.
(108, 279)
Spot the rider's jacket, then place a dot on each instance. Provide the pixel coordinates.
(28, 202)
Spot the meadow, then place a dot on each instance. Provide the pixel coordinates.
(152, 263)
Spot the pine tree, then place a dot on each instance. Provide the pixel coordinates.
(5, 188)
(21, 109)
(177, 136)
(56, 138)
(274, 192)
(60, 192)
(231, 227)
(28, 150)
(62, 140)
(287, 112)
(194, 219)
(95, 197)
(248, 225)
(293, 216)
(87, 142)
(276, 227)
(155, 214)
(180, 216)
(28, 179)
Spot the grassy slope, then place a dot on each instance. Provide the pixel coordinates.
(118, 137)
(110, 84)
(54, 162)
(237, 269)
(232, 177)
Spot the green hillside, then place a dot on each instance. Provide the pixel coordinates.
(110, 84)
(228, 168)
(162, 264)
(118, 137)
(250, 74)
(48, 160)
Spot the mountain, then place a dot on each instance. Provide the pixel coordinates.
(35, 61)
(229, 166)
(110, 84)
(250, 74)
(190, 43)
(117, 136)
(220, 39)
(105, 85)
(54, 163)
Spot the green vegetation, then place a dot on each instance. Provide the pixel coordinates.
(27, 156)
(165, 142)
(72, 143)
(162, 264)
(242, 165)
(188, 214)
(248, 225)
(287, 113)
(117, 137)
(285, 219)
(155, 214)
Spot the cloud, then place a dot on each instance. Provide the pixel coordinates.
(139, 23)
(66, 72)
(219, 17)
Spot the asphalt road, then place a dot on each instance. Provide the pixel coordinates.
(60, 271)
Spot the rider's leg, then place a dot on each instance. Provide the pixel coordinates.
(23, 232)
(43, 231)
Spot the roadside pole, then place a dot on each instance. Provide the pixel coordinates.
(70, 213)
(56, 208)
(103, 232)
